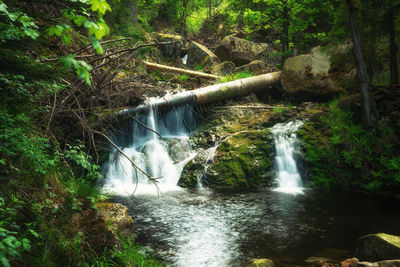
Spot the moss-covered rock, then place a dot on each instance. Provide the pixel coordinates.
(242, 161)
(380, 246)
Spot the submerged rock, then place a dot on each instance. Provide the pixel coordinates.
(375, 247)
(242, 161)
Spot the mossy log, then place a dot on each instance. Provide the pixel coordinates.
(212, 93)
(165, 68)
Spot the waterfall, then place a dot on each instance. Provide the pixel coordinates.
(286, 145)
(162, 157)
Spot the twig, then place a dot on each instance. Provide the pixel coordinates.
(152, 179)
(146, 127)
(52, 113)
(201, 117)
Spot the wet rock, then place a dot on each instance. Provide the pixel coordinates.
(242, 161)
(389, 263)
(316, 260)
(375, 247)
(261, 263)
(349, 262)
(226, 67)
(257, 67)
(200, 55)
(367, 264)
(242, 52)
(194, 170)
(309, 74)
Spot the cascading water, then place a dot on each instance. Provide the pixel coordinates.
(162, 158)
(286, 145)
(207, 228)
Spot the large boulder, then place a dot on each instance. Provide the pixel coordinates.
(375, 247)
(241, 161)
(198, 54)
(309, 73)
(242, 51)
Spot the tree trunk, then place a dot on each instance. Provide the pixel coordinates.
(212, 93)
(368, 116)
(209, 9)
(240, 18)
(183, 22)
(165, 68)
(394, 73)
(285, 31)
(133, 6)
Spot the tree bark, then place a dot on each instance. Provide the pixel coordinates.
(165, 68)
(394, 72)
(285, 31)
(209, 9)
(368, 116)
(133, 5)
(212, 93)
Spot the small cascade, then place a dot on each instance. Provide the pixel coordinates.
(162, 157)
(286, 145)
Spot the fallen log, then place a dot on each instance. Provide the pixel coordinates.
(209, 94)
(165, 68)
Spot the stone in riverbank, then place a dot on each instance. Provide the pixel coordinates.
(375, 247)
(99, 228)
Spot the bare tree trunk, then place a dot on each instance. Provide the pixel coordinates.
(394, 73)
(212, 93)
(183, 22)
(209, 9)
(240, 18)
(368, 116)
(133, 5)
(285, 31)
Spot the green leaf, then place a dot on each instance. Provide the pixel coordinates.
(26, 243)
(4, 261)
(97, 46)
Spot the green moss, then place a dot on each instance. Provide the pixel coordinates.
(242, 161)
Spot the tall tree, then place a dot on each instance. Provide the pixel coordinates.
(394, 72)
(285, 30)
(368, 116)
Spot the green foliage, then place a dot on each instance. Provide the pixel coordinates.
(235, 76)
(132, 255)
(81, 67)
(14, 240)
(16, 25)
(79, 157)
(345, 155)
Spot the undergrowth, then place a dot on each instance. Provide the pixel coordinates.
(345, 155)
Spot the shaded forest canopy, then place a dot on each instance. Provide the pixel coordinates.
(68, 65)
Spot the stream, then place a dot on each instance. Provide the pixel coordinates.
(202, 227)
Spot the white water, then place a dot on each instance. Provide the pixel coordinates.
(286, 143)
(163, 158)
